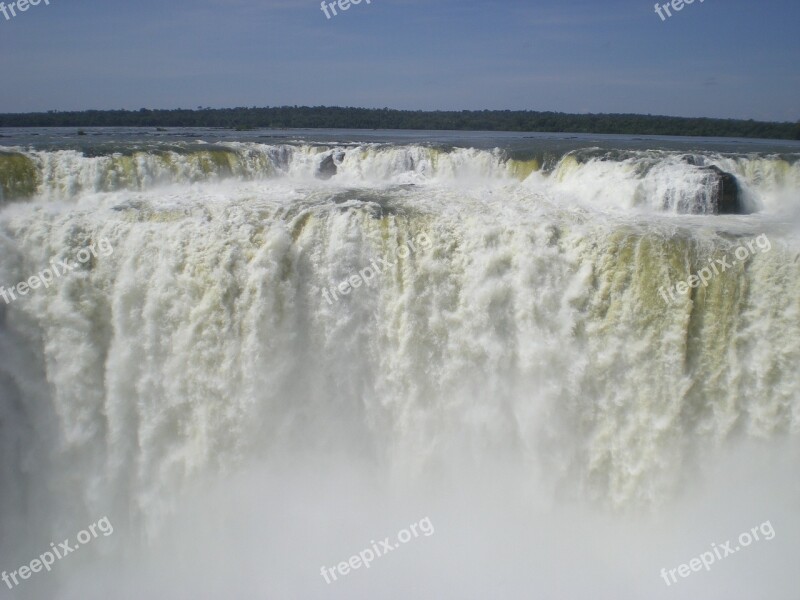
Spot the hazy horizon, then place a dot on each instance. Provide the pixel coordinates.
(426, 110)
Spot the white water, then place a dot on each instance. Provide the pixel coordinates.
(519, 381)
(655, 181)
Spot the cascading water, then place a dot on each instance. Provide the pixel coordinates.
(656, 180)
(511, 369)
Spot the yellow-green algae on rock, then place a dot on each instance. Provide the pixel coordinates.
(18, 176)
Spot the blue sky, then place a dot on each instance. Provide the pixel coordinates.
(719, 58)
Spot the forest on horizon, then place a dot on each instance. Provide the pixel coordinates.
(324, 117)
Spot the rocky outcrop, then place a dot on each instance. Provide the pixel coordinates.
(727, 196)
(728, 200)
(327, 168)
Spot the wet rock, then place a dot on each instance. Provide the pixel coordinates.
(728, 197)
(327, 168)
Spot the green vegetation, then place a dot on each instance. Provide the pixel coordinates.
(301, 117)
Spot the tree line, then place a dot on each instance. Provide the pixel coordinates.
(302, 117)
